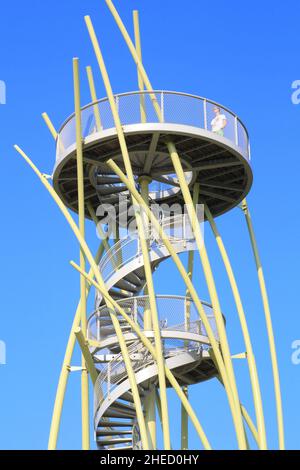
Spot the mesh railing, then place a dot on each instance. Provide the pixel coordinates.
(177, 228)
(114, 372)
(138, 107)
(177, 313)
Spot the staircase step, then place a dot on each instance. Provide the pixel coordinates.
(109, 191)
(115, 424)
(116, 294)
(110, 329)
(108, 321)
(134, 278)
(129, 287)
(113, 432)
(107, 179)
(127, 396)
(110, 442)
(123, 406)
(115, 448)
(117, 413)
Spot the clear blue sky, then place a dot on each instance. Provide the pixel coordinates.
(244, 55)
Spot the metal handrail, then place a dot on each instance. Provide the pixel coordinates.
(141, 297)
(164, 93)
(114, 372)
(118, 247)
(170, 92)
(173, 313)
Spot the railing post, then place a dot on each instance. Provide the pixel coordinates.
(200, 327)
(108, 380)
(162, 106)
(135, 319)
(184, 229)
(205, 113)
(98, 326)
(236, 131)
(117, 102)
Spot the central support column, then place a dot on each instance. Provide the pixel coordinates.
(150, 416)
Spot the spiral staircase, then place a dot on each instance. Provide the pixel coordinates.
(185, 342)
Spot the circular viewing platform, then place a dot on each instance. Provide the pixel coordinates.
(214, 152)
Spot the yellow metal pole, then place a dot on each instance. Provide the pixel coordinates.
(137, 39)
(189, 285)
(135, 57)
(150, 402)
(242, 317)
(49, 125)
(250, 424)
(147, 343)
(150, 417)
(99, 229)
(269, 325)
(143, 242)
(84, 346)
(100, 282)
(184, 417)
(53, 131)
(211, 286)
(157, 401)
(81, 217)
(94, 98)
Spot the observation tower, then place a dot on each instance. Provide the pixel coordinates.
(139, 165)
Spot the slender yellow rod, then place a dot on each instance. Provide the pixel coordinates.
(84, 346)
(94, 97)
(269, 325)
(94, 267)
(187, 313)
(138, 46)
(242, 318)
(135, 57)
(158, 405)
(85, 415)
(147, 343)
(98, 226)
(150, 416)
(211, 288)
(215, 346)
(53, 131)
(250, 424)
(50, 125)
(65, 369)
(150, 402)
(143, 241)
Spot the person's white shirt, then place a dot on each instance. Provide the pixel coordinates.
(218, 122)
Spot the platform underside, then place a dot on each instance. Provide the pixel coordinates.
(220, 167)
